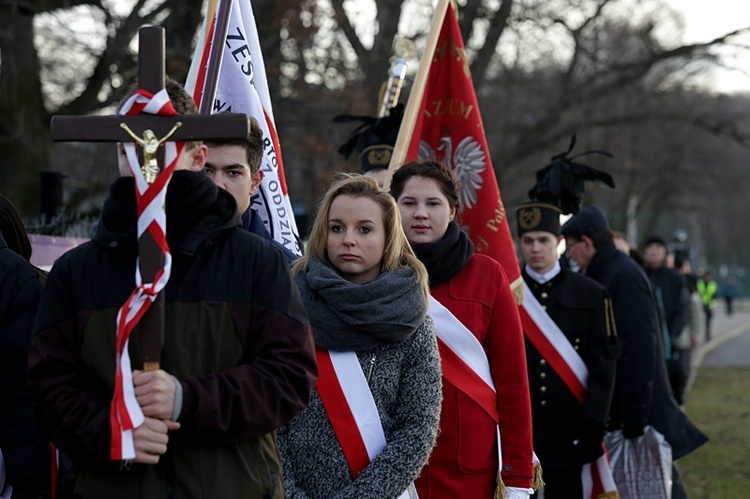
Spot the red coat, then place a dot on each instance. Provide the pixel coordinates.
(464, 462)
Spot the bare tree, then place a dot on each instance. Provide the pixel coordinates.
(614, 71)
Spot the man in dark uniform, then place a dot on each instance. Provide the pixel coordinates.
(642, 393)
(568, 427)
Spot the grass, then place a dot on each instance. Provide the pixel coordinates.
(719, 404)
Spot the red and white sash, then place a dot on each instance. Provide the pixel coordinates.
(125, 413)
(554, 346)
(465, 363)
(351, 409)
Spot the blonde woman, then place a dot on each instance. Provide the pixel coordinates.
(366, 295)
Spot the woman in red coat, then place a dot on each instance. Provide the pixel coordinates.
(475, 290)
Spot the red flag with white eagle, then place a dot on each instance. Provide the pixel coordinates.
(442, 121)
(243, 88)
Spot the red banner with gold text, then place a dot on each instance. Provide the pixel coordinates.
(448, 127)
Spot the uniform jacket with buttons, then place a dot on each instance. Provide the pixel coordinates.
(579, 307)
(464, 462)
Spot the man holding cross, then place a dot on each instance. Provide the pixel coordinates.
(237, 359)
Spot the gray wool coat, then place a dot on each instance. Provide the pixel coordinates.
(405, 381)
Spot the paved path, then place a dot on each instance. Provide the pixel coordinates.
(730, 345)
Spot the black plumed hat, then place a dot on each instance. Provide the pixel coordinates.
(373, 139)
(561, 183)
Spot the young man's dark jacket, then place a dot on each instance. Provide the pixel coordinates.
(567, 433)
(252, 222)
(237, 339)
(642, 393)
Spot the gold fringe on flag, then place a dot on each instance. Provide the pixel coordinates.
(499, 488)
(517, 288)
(613, 494)
(536, 481)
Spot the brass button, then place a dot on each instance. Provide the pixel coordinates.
(543, 403)
(544, 295)
(576, 347)
(543, 389)
(578, 340)
(542, 362)
(544, 307)
(542, 375)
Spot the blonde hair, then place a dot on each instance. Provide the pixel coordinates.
(397, 254)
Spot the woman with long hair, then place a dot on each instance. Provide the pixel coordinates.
(373, 417)
(486, 411)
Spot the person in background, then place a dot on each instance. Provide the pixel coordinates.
(671, 296)
(568, 431)
(623, 244)
(729, 292)
(25, 455)
(642, 392)
(366, 295)
(692, 334)
(471, 299)
(708, 289)
(234, 165)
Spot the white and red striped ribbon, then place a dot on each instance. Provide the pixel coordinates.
(597, 478)
(554, 346)
(125, 413)
(351, 410)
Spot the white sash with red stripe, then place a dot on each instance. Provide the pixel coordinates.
(465, 363)
(351, 409)
(554, 346)
(125, 413)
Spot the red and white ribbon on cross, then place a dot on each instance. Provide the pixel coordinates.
(563, 358)
(351, 410)
(125, 413)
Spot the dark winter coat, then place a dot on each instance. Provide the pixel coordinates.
(642, 393)
(236, 338)
(26, 453)
(673, 291)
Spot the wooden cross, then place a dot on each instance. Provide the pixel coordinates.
(151, 77)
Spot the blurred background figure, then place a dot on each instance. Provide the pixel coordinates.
(26, 454)
(708, 289)
(729, 292)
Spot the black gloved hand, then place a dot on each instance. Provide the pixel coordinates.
(632, 431)
(31, 488)
(589, 434)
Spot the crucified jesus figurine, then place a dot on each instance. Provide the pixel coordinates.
(150, 144)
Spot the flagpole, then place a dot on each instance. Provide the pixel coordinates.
(217, 53)
(210, 11)
(414, 102)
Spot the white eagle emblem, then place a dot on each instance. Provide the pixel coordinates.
(467, 164)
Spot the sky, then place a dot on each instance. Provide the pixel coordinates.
(705, 20)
